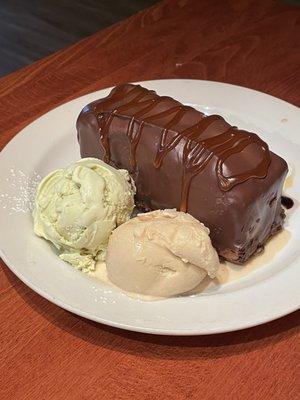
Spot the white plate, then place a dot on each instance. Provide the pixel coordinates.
(50, 142)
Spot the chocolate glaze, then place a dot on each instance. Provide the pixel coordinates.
(197, 152)
(181, 158)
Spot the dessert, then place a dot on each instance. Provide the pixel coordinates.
(77, 208)
(160, 253)
(180, 158)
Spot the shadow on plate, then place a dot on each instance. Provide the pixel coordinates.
(156, 346)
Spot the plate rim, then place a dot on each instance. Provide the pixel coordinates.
(128, 327)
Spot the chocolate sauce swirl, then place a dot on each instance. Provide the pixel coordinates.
(141, 105)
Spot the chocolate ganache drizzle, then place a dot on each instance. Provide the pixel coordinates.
(197, 150)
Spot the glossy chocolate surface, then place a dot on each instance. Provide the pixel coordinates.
(180, 158)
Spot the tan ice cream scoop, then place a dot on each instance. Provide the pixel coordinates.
(160, 253)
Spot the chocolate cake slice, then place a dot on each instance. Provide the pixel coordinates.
(181, 158)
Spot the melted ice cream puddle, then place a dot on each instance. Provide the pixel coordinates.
(289, 180)
(227, 273)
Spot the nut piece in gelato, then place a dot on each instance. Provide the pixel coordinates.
(161, 253)
(78, 207)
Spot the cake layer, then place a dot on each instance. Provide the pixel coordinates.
(180, 158)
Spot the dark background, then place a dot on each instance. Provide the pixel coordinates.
(32, 29)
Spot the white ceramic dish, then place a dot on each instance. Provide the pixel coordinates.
(50, 142)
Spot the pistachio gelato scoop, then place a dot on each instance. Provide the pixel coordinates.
(78, 207)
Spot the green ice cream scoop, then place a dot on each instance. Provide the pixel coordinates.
(78, 207)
